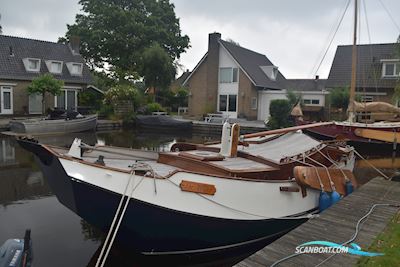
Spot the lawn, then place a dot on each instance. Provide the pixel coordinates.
(387, 242)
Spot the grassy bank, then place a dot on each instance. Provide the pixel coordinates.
(387, 242)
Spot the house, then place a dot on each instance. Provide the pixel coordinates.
(241, 83)
(22, 60)
(378, 71)
(232, 80)
(313, 96)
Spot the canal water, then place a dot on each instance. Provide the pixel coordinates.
(61, 238)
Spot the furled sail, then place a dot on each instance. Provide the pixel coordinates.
(375, 107)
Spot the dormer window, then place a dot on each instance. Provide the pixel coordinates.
(390, 68)
(75, 69)
(32, 64)
(270, 71)
(54, 66)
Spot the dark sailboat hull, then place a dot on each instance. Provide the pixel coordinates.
(158, 231)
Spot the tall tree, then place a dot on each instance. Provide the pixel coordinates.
(43, 84)
(158, 69)
(115, 33)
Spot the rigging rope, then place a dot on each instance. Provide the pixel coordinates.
(390, 16)
(333, 37)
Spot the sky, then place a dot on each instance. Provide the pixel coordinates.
(293, 34)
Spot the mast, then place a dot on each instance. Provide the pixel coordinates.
(353, 66)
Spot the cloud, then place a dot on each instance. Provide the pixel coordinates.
(292, 34)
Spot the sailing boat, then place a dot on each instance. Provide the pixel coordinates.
(213, 201)
(360, 134)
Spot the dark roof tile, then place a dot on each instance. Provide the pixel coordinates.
(251, 61)
(12, 67)
(369, 66)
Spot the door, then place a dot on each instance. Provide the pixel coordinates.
(227, 104)
(35, 104)
(6, 94)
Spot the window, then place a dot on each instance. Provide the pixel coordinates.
(67, 99)
(31, 64)
(232, 103)
(311, 101)
(367, 98)
(254, 103)
(228, 75)
(75, 68)
(391, 69)
(222, 102)
(227, 103)
(54, 66)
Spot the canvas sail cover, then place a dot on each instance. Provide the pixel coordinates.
(296, 111)
(375, 107)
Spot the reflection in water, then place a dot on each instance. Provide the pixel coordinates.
(60, 238)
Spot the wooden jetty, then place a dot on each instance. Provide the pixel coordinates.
(337, 224)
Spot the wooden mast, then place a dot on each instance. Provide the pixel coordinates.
(353, 66)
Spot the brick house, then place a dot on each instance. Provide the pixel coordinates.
(378, 71)
(240, 83)
(22, 60)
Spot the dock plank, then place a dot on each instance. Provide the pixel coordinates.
(337, 224)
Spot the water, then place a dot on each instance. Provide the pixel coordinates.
(61, 238)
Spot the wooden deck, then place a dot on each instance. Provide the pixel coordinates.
(336, 224)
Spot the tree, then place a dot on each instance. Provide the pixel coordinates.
(293, 97)
(115, 34)
(339, 97)
(280, 111)
(158, 69)
(43, 84)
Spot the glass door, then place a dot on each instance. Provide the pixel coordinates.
(228, 105)
(35, 104)
(6, 94)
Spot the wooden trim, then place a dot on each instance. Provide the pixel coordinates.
(289, 129)
(289, 189)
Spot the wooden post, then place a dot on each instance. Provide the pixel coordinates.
(235, 132)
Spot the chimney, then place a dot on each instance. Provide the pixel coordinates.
(74, 43)
(212, 69)
(316, 77)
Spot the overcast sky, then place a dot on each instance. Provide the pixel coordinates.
(292, 34)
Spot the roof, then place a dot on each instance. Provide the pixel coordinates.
(369, 65)
(305, 85)
(250, 62)
(12, 67)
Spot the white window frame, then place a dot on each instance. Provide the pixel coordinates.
(367, 98)
(231, 80)
(396, 68)
(10, 89)
(49, 64)
(76, 90)
(26, 64)
(310, 100)
(253, 103)
(70, 66)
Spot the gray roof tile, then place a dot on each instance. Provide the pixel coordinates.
(369, 66)
(305, 84)
(12, 67)
(251, 61)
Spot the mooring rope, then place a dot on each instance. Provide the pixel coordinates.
(308, 216)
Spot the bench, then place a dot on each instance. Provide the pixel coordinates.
(216, 118)
(159, 113)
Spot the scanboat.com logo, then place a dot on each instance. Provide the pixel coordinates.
(315, 247)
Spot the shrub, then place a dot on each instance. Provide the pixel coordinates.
(154, 107)
(339, 97)
(279, 110)
(121, 92)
